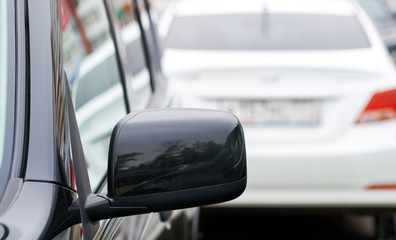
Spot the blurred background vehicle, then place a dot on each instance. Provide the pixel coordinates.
(312, 83)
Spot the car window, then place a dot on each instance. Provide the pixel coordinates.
(267, 32)
(3, 87)
(91, 66)
(377, 10)
(150, 25)
(3, 75)
(137, 71)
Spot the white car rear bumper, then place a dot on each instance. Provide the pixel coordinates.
(340, 172)
(314, 199)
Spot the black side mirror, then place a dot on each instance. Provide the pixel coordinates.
(169, 159)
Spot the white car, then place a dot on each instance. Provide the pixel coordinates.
(313, 85)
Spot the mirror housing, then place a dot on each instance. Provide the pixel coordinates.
(169, 159)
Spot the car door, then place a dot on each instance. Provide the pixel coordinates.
(96, 79)
(134, 31)
(106, 85)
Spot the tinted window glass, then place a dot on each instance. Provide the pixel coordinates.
(266, 32)
(150, 25)
(92, 70)
(3, 89)
(138, 76)
(3, 75)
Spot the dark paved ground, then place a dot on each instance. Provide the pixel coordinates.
(259, 224)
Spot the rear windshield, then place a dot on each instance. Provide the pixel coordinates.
(267, 32)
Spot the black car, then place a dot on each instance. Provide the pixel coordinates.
(88, 144)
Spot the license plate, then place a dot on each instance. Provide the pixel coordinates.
(275, 112)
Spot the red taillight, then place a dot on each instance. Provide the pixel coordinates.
(390, 186)
(382, 106)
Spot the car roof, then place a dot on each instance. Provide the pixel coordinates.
(330, 7)
(376, 50)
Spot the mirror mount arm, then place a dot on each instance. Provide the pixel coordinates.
(102, 207)
(99, 207)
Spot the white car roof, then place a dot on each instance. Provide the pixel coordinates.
(377, 49)
(332, 7)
